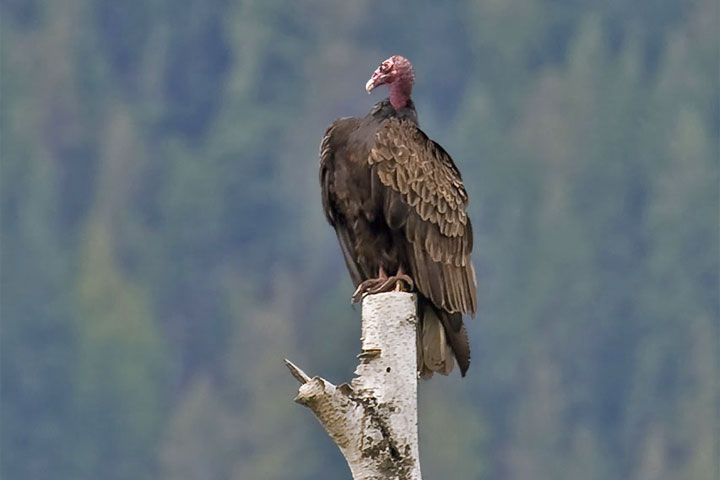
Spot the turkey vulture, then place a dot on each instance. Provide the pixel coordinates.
(398, 206)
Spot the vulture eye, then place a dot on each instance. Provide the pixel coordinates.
(384, 67)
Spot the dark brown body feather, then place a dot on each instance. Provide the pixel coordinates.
(396, 199)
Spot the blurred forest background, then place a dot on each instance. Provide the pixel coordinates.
(163, 246)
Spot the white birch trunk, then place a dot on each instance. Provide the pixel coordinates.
(373, 420)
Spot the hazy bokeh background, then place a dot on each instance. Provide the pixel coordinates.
(163, 246)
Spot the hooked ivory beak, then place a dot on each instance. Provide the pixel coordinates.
(370, 84)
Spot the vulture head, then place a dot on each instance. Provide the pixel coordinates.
(397, 73)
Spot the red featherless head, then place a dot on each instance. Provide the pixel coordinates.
(397, 73)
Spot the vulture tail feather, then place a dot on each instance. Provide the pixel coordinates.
(442, 339)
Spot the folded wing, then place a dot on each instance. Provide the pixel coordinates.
(423, 196)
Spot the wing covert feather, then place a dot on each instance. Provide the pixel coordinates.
(426, 199)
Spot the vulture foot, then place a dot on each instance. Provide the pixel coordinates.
(383, 284)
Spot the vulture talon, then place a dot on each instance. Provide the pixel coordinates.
(383, 284)
(404, 278)
(366, 287)
(361, 289)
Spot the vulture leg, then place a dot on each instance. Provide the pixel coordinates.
(364, 287)
(383, 284)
